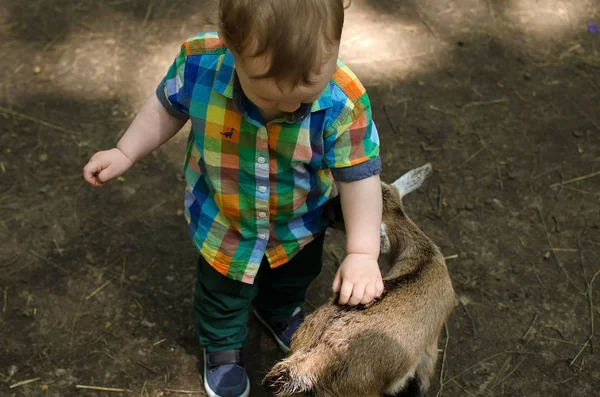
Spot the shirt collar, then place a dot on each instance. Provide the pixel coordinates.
(228, 85)
(225, 80)
(324, 101)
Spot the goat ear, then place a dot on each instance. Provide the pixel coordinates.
(385, 241)
(412, 180)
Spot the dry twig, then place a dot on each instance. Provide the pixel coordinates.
(98, 289)
(564, 250)
(463, 389)
(75, 321)
(468, 313)
(471, 157)
(100, 388)
(554, 253)
(141, 364)
(579, 178)
(474, 365)
(544, 172)
(530, 327)
(184, 391)
(148, 13)
(144, 391)
(591, 304)
(387, 117)
(581, 350)
(32, 252)
(37, 121)
(485, 103)
(509, 375)
(442, 383)
(433, 107)
(415, 9)
(23, 383)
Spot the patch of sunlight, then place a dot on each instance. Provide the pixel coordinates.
(379, 50)
(380, 47)
(106, 70)
(546, 19)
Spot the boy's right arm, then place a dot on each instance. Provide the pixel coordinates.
(152, 127)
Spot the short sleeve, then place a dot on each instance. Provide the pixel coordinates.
(172, 91)
(352, 144)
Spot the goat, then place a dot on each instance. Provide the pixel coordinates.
(389, 347)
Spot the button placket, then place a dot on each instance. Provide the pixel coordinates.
(262, 175)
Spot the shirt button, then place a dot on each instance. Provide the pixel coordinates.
(262, 214)
(261, 160)
(262, 236)
(262, 189)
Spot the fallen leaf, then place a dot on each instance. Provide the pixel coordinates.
(425, 147)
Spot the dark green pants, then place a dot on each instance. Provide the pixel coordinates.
(222, 304)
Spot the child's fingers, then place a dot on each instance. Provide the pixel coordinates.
(90, 171)
(379, 288)
(358, 292)
(107, 174)
(337, 282)
(345, 292)
(369, 294)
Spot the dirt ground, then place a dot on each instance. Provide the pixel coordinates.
(501, 96)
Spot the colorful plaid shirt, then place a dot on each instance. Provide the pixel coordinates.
(255, 188)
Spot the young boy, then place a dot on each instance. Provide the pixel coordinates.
(276, 119)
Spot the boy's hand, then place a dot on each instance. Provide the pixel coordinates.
(358, 280)
(106, 165)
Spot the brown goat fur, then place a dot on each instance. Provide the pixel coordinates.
(388, 347)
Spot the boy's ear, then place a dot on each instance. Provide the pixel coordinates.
(222, 37)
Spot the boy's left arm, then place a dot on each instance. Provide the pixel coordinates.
(352, 154)
(359, 279)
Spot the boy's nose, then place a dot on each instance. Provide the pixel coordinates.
(289, 107)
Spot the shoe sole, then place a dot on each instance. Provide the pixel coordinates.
(211, 393)
(282, 345)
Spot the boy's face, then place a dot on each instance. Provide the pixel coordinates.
(268, 95)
